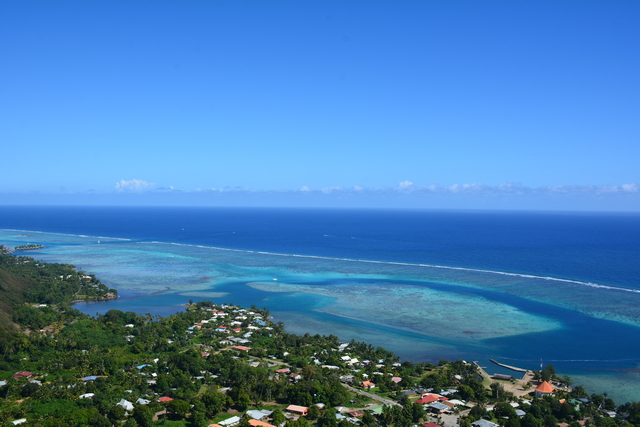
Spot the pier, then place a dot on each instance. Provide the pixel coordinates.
(513, 368)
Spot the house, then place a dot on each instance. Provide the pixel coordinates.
(483, 423)
(301, 410)
(165, 399)
(377, 410)
(259, 414)
(241, 348)
(544, 389)
(502, 377)
(428, 398)
(230, 421)
(431, 425)
(86, 396)
(396, 379)
(258, 423)
(128, 406)
(367, 384)
(23, 374)
(438, 408)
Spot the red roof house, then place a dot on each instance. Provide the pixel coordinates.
(428, 398)
(544, 389)
(302, 410)
(25, 374)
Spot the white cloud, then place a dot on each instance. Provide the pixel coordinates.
(328, 190)
(466, 188)
(133, 185)
(408, 188)
(630, 188)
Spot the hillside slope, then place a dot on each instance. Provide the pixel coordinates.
(12, 294)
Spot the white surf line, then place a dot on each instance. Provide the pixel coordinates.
(407, 264)
(65, 234)
(445, 267)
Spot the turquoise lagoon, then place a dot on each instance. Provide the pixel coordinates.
(422, 312)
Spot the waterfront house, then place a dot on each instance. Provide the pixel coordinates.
(544, 389)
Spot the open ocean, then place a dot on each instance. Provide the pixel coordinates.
(517, 287)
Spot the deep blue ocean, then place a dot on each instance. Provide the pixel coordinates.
(512, 286)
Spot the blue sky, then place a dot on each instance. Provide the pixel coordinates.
(420, 104)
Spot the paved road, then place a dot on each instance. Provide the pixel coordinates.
(371, 395)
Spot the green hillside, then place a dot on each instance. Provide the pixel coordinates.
(12, 294)
(26, 283)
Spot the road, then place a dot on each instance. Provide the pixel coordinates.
(371, 395)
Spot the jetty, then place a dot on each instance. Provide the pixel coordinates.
(29, 247)
(513, 368)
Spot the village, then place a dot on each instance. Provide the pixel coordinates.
(219, 354)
